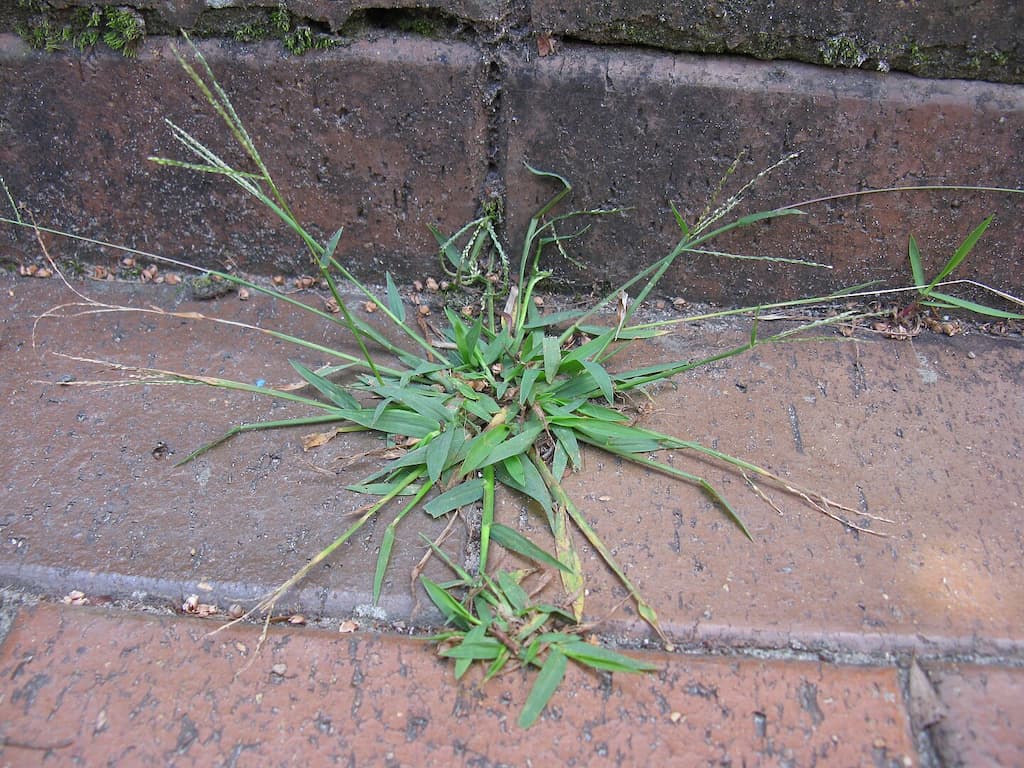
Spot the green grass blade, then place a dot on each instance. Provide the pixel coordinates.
(916, 270)
(487, 516)
(514, 446)
(544, 687)
(602, 658)
(970, 306)
(567, 440)
(481, 446)
(514, 541)
(332, 246)
(438, 452)
(388, 541)
(484, 649)
(680, 221)
(514, 593)
(336, 394)
(601, 378)
(961, 253)
(422, 400)
(513, 465)
(468, 492)
(526, 384)
(304, 421)
(453, 611)
(395, 303)
(552, 358)
(393, 421)
(533, 486)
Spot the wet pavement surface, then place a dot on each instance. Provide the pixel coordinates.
(795, 648)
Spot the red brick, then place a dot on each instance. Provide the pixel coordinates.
(640, 130)
(984, 722)
(382, 137)
(919, 432)
(937, 38)
(119, 688)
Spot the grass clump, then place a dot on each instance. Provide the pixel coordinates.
(504, 397)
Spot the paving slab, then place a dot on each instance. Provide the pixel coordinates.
(82, 686)
(984, 717)
(925, 433)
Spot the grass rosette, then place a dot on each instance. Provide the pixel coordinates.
(507, 397)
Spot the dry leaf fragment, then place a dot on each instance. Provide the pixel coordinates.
(316, 439)
(75, 597)
(545, 44)
(926, 708)
(193, 607)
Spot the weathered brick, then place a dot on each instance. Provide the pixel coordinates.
(99, 688)
(640, 130)
(925, 435)
(383, 138)
(937, 38)
(984, 721)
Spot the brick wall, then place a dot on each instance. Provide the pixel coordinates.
(395, 118)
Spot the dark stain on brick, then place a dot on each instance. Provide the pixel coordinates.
(30, 690)
(808, 697)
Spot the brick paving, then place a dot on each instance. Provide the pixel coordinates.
(794, 649)
(92, 687)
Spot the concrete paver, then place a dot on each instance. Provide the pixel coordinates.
(97, 687)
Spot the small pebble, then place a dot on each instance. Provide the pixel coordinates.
(971, 355)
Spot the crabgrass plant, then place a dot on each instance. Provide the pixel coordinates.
(508, 397)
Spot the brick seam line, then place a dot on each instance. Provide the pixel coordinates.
(26, 592)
